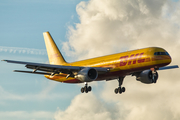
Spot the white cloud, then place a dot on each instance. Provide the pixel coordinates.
(108, 27)
(87, 106)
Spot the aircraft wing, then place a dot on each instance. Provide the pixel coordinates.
(168, 67)
(49, 69)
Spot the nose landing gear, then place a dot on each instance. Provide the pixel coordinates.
(154, 75)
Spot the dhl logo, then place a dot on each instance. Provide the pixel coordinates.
(133, 59)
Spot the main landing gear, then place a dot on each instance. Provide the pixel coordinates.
(86, 88)
(120, 89)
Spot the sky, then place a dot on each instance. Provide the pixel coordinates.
(86, 29)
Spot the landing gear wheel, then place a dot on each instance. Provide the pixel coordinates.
(123, 89)
(119, 90)
(116, 90)
(82, 90)
(89, 88)
(86, 91)
(86, 88)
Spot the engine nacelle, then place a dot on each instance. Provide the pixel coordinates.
(87, 75)
(146, 76)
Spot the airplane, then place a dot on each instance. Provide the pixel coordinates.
(141, 63)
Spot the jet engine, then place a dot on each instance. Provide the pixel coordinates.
(147, 76)
(87, 75)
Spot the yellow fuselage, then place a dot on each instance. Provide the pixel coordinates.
(121, 64)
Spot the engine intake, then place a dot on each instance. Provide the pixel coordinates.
(87, 75)
(147, 77)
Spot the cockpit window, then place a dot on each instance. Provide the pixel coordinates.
(161, 53)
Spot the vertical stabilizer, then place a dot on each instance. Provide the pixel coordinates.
(54, 55)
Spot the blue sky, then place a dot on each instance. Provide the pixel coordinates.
(27, 20)
(22, 24)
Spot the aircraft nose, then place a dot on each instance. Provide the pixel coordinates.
(170, 59)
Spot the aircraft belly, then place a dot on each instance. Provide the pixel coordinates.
(121, 73)
(108, 76)
(63, 79)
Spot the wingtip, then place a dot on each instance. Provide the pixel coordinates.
(3, 60)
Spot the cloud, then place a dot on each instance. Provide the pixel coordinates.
(108, 27)
(23, 50)
(87, 106)
(156, 101)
